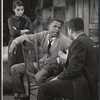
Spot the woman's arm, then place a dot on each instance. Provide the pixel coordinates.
(13, 31)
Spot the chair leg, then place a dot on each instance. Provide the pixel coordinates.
(26, 84)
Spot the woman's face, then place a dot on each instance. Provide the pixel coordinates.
(19, 10)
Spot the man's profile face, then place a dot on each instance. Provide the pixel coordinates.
(54, 29)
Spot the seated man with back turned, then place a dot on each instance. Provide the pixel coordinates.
(79, 80)
(50, 66)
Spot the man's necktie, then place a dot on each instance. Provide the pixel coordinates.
(49, 45)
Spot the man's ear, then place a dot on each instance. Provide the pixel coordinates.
(72, 31)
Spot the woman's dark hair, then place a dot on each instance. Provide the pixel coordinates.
(17, 3)
(76, 24)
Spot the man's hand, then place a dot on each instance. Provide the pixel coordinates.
(50, 61)
(43, 58)
(63, 55)
(13, 48)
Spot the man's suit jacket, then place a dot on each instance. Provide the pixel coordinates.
(82, 61)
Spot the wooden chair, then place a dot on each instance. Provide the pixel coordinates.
(31, 55)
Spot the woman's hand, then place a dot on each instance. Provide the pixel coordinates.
(23, 32)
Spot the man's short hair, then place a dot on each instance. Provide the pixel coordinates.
(76, 24)
(55, 19)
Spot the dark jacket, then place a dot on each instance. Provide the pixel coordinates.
(82, 61)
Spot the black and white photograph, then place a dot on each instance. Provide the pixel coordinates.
(50, 50)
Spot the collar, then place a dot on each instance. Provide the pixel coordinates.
(78, 35)
(50, 38)
(17, 18)
(53, 37)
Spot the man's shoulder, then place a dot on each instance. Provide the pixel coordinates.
(85, 39)
(43, 32)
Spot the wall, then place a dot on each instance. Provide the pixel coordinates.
(88, 11)
(47, 9)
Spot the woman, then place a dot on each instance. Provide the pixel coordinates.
(19, 24)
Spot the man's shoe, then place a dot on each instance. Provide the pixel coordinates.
(16, 96)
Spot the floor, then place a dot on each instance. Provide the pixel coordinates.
(7, 97)
(10, 97)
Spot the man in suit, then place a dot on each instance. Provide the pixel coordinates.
(79, 80)
(51, 41)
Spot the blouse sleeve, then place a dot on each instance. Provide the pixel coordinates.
(31, 30)
(13, 32)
